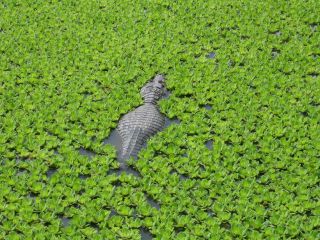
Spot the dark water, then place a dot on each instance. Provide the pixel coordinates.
(182, 177)
(32, 195)
(86, 152)
(278, 33)
(83, 176)
(225, 225)
(145, 234)
(169, 122)
(211, 55)
(114, 139)
(51, 171)
(166, 94)
(152, 202)
(314, 27)
(126, 169)
(208, 107)
(112, 213)
(211, 213)
(65, 221)
(209, 144)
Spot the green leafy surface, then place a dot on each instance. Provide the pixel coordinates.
(70, 69)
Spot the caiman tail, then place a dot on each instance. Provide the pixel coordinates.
(132, 144)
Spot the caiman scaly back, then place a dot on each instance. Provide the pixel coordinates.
(137, 126)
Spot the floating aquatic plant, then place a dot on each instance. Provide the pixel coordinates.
(241, 159)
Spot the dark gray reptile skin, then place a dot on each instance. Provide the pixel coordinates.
(137, 126)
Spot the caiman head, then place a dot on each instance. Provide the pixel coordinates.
(153, 90)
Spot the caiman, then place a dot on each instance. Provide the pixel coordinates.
(139, 125)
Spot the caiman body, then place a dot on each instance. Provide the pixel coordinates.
(137, 126)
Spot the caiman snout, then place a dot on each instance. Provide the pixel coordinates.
(158, 81)
(159, 78)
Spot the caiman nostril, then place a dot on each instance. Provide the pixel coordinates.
(158, 85)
